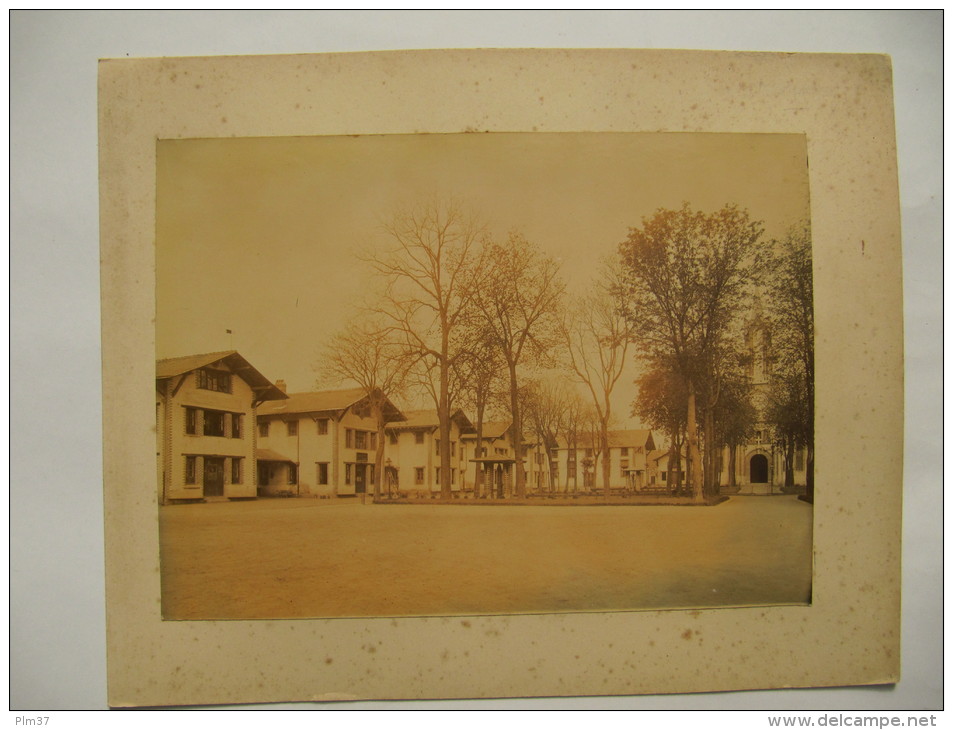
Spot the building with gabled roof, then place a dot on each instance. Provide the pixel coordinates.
(205, 418)
(413, 452)
(580, 467)
(322, 443)
(496, 462)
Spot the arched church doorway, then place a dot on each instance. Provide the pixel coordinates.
(759, 469)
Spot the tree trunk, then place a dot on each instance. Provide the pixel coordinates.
(710, 482)
(672, 459)
(518, 478)
(789, 463)
(606, 459)
(694, 457)
(478, 465)
(443, 416)
(377, 412)
(733, 466)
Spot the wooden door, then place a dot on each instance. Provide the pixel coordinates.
(214, 480)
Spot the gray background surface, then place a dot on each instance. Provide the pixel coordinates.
(57, 633)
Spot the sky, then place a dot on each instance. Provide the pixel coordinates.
(261, 236)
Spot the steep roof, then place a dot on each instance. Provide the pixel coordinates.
(263, 388)
(617, 439)
(324, 401)
(493, 429)
(657, 454)
(429, 419)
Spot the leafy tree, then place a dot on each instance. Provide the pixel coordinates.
(792, 309)
(688, 274)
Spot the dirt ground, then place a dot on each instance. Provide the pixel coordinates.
(296, 558)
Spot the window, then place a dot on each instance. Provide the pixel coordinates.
(623, 467)
(322, 427)
(191, 416)
(347, 473)
(373, 435)
(589, 453)
(190, 470)
(322, 473)
(214, 380)
(236, 425)
(418, 475)
(214, 423)
(292, 473)
(393, 437)
(419, 437)
(664, 476)
(236, 470)
(453, 476)
(436, 443)
(625, 451)
(348, 438)
(360, 440)
(263, 428)
(292, 427)
(453, 449)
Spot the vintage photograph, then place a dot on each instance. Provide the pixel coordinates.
(483, 373)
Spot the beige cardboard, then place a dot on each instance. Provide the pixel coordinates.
(849, 635)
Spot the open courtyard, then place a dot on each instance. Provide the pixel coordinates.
(306, 558)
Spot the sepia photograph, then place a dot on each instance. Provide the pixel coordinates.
(477, 373)
(456, 374)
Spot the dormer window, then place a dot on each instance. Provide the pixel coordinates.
(214, 380)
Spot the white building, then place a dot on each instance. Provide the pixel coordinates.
(321, 443)
(496, 462)
(205, 426)
(413, 451)
(581, 468)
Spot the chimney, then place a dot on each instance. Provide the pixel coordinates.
(280, 385)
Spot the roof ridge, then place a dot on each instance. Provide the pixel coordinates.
(198, 354)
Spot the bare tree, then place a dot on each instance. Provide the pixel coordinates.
(574, 428)
(430, 276)
(688, 274)
(366, 353)
(478, 370)
(590, 428)
(597, 333)
(547, 405)
(519, 301)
